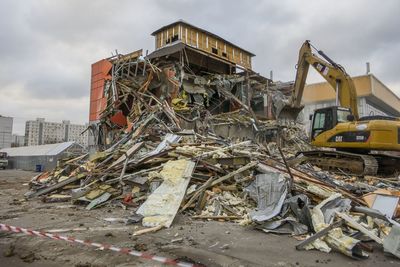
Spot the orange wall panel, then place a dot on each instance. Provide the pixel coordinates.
(100, 73)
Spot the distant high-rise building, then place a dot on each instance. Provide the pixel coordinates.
(41, 132)
(17, 140)
(6, 124)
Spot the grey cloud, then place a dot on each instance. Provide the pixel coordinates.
(47, 47)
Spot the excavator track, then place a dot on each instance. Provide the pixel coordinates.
(351, 163)
(388, 164)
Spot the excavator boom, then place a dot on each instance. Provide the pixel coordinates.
(333, 73)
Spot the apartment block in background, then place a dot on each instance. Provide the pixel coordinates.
(6, 124)
(41, 132)
(17, 140)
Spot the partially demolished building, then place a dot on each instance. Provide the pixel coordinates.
(195, 73)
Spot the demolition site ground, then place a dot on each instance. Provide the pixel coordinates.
(212, 243)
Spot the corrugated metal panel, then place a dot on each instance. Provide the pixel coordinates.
(43, 150)
(59, 149)
(29, 163)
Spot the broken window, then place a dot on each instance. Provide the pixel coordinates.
(174, 38)
(214, 50)
(224, 54)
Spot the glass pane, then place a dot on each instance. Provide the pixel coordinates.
(342, 115)
(319, 121)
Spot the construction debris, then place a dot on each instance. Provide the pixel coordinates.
(192, 143)
(161, 206)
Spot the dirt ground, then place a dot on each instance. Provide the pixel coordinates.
(211, 243)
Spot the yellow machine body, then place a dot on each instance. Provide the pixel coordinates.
(361, 135)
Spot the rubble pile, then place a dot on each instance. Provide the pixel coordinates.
(171, 158)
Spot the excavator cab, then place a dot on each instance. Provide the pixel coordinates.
(325, 119)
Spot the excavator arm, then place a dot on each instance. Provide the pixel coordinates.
(333, 73)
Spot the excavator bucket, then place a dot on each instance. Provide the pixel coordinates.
(284, 109)
(289, 113)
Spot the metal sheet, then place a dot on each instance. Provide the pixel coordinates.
(392, 242)
(386, 204)
(169, 139)
(269, 190)
(103, 198)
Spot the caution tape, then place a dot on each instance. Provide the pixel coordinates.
(9, 228)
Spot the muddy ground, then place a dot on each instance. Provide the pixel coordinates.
(211, 243)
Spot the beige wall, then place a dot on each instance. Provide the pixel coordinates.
(365, 85)
(385, 94)
(319, 92)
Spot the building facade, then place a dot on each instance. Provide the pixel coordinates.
(41, 132)
(17, 140)
(205, 41)
(6, 124)
(374, 98)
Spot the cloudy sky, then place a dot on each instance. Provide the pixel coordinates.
(47, 47)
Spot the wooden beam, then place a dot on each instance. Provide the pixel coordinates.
(54, 187)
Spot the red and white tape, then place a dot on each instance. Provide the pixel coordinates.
(9, 228)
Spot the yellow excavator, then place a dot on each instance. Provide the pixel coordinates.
(358, 142)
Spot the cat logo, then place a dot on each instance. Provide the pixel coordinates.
(322, 69)
(339, 138)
